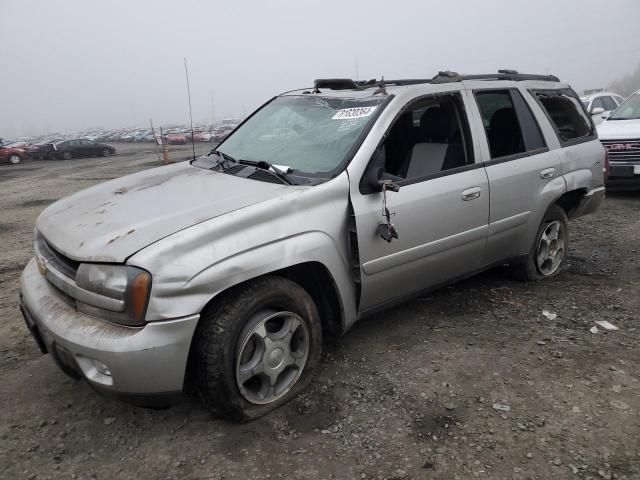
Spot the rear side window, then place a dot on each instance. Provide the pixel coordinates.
(509, 124)
(566, 113)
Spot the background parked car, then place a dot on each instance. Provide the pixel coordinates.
(201, 136)
(81, 147)
(43, 150)
(601, 103)
(175, 139)
(220, 134)
(17, 144)
(620, 135)
(12, 153)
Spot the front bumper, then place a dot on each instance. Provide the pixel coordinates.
(623, 183)
(147, 365)
(623, 176)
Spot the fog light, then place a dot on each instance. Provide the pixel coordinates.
(101, 367)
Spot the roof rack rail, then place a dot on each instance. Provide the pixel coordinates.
(446, 76)
(408, 81)
(511, 75)
(335, 84)
(503, 74)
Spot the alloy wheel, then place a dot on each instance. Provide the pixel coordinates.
(551, 248)
(271, 356)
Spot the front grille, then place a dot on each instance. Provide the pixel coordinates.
(63, 264)
(623, 150)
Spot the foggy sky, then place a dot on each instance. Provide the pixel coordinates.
(74, 64)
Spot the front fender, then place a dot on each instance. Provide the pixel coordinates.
(193, 266)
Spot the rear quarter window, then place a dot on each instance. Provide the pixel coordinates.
(566, 114)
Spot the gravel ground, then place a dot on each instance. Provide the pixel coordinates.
(472, 381)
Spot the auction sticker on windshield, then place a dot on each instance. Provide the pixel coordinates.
(357, 112)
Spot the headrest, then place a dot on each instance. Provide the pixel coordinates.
(435, 125)
(504, 119)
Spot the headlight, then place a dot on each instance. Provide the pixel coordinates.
(130, 285)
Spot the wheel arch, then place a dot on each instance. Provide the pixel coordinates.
(316, 279)
(570, 201)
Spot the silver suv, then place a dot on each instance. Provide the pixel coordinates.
(327, 204)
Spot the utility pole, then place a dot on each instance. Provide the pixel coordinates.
(213, 107)
(155, 139)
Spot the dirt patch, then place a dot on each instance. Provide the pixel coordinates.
(7, 228)
(10, 267)
(38, 202)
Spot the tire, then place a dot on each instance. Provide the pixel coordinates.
(229, 337)
(542, 262)
(105, 152)
(66, 155)
(14, 159)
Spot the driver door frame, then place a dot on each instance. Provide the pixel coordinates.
(392, 271)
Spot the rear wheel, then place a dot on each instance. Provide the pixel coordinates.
(256, 348)
(549, 248)
(14, 159)
(106, 152)
(66, 155)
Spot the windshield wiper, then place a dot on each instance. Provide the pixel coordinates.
(267, 166)
(224, 159)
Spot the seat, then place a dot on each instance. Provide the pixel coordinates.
(504, 133)
(428, 156)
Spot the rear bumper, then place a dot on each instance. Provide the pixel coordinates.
(590, 202)
(147, 365)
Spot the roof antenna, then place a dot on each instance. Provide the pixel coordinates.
(381, 88)
(193, 143)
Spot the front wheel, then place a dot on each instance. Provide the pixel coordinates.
(66, 155)
(14, 159)
(106, 152)
(256, 348)
(549, 248)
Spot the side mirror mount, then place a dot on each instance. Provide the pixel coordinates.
(597, 111)
(378, 179)
(605, 115)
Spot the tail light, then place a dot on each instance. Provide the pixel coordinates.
(605, 169)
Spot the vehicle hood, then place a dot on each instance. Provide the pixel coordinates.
(619, 129)
(111, 221)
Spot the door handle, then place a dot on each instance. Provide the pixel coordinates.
(547, 172)
(471, 193)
